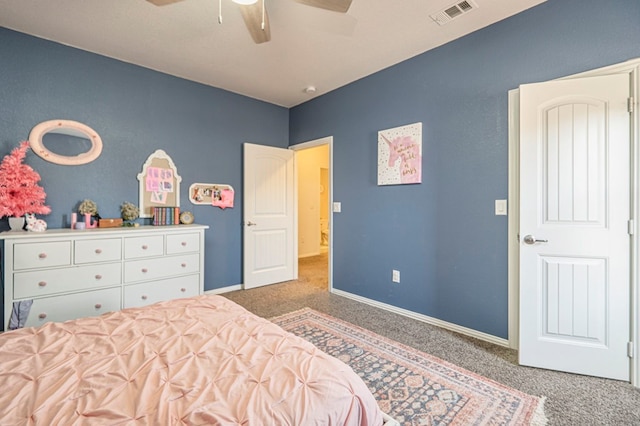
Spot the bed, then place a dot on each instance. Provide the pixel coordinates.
(199, 360)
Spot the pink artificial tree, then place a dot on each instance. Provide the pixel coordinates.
(19, 189)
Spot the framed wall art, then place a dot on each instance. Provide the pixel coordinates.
(400, 155)
(159, 183)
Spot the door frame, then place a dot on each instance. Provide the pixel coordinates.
(327, 140)
(632, 68)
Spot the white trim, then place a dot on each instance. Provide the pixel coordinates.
(225, 289)
(426, 319)
(631, 67)
(513, 246)
(327, 140)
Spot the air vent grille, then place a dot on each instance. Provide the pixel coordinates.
(455, 10)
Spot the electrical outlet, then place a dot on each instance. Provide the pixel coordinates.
(395, 276)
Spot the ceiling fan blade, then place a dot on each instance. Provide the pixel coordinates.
(163, 2)
(252, 15)
(341, 6)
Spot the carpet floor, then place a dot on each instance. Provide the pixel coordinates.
(570, 399)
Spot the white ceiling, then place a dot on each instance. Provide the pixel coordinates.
(308, 47)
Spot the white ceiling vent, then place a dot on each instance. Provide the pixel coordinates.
(455, 10)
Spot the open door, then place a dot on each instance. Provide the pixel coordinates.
(269, 249)
(574, 225)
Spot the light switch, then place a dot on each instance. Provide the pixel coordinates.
(337, 207)
(501, 207)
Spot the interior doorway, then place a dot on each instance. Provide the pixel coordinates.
(314, 184)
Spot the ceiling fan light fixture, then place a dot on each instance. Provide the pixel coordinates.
(245, 2)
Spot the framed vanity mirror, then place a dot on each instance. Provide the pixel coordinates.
(65, 142)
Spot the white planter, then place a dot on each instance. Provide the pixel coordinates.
(16, 223)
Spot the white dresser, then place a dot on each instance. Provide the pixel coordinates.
(77, 273)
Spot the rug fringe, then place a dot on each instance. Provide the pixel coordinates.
(539, 417)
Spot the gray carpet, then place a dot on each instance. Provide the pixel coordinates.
(571, 399)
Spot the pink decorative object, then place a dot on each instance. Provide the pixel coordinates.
(19, 189)
(87, 221)
(74, 220)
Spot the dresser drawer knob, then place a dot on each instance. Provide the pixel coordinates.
(183, 289)
(42, 283)
(42, 316)
(184, 265)
(42, 255)
(144, 247)
(144, 297)
(145, 270)
(98, 277)
(98, 305)
(184, 244)
(98, 251)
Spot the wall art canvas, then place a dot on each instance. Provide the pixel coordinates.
(400, 155)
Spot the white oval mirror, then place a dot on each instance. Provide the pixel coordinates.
(66, 137)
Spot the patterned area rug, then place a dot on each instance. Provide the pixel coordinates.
(413, 387)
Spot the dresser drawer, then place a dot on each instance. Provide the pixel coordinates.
(42, 283)
(157, 291)
(151, 269)
(71, 306)
(102, 250)
(183, 243)
(41, 255)
(147, 246)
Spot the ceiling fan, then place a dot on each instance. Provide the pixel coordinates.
(256, 18)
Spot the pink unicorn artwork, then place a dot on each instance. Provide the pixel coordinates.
(407, 150)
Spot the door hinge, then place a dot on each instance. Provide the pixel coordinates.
(630, 349)
(630, 226)
(631, 104)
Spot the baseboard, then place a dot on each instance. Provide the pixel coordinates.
(224, 289)
(302, 256)
(427, 319)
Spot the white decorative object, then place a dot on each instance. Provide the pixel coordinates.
(35, 225)
(400, 155)
(70, 274)
(72, 129)
(16, 223)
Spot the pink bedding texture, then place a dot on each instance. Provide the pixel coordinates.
(201, 360)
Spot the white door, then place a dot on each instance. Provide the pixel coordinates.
(574, 213)
(269, 250)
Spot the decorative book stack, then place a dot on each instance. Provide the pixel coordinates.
(166, 216)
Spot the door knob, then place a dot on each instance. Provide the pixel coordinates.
(530, 239)
(249, 223)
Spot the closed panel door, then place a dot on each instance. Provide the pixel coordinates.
(574, 213)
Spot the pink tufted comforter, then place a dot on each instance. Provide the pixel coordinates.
(202, 360)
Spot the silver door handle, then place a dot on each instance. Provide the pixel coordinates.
(249, 223)
(530, 239)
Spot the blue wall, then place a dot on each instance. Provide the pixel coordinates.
(135, 111)
(442, 234)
